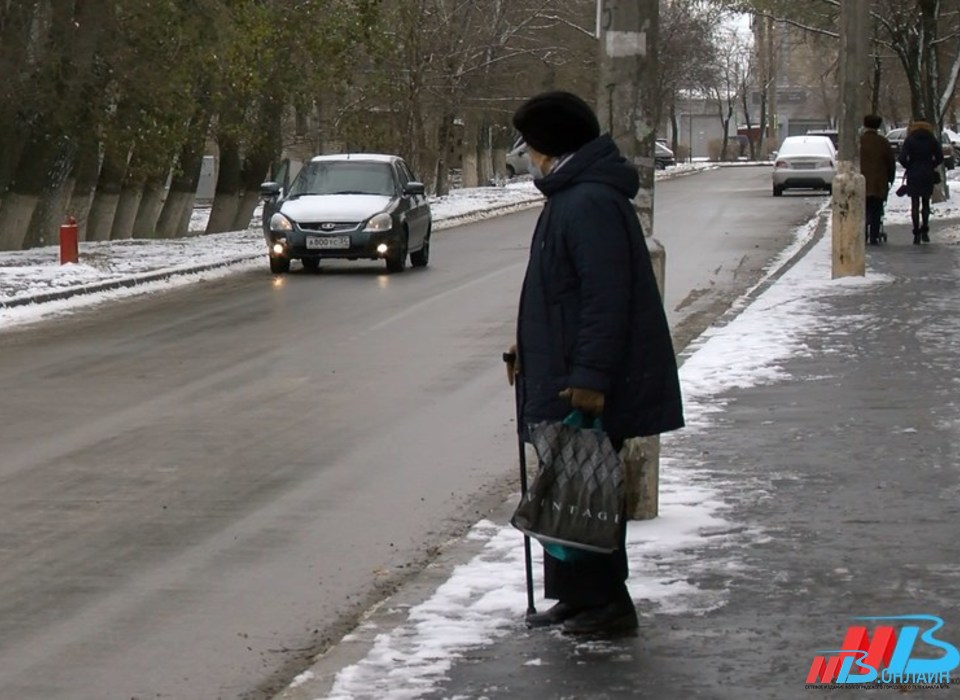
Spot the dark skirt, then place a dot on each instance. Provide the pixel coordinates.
(591, 581)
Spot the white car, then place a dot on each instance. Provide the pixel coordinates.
(518, 161)
(804, 162)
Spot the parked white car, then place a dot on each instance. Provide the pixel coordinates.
(804, 162)
(518, 161)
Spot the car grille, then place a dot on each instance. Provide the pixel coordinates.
(329, 226)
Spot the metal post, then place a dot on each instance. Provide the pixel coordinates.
(68, 241)
(849, 198)
(628, 70)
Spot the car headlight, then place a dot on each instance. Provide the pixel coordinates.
(380, 222)
(278, 222)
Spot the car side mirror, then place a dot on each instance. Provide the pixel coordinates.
(270, 190)
(414, 188)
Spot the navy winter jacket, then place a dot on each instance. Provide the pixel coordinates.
(590, 312)
(920, 155)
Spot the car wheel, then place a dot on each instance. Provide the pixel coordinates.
(777, 190)
(279, 265)
(510, 171)
(397, 261)
(421, 258)
(311, 264)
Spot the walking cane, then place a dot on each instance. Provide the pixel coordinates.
(509, 357)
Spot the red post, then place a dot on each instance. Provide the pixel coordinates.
(69, 252)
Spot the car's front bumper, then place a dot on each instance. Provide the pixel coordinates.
(362, 244)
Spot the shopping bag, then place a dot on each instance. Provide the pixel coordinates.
(577, 498)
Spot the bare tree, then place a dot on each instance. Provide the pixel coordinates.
(728, 79)
(687, 51)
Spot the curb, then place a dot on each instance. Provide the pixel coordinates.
(483, 214)
(124, 283)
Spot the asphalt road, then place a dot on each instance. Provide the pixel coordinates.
(202, 488)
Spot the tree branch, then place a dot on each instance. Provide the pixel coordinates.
(798, 25)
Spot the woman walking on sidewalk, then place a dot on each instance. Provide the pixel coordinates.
(592, 334)
(921, 155)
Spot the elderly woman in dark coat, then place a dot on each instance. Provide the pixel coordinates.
(592, 333)
(921, 155)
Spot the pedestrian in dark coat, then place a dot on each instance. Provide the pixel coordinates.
(879, 168)
(921, 155)
(592, 333)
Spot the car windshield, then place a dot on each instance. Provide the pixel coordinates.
(344, 177)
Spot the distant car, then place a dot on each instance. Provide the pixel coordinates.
(518, 160)
(831, 134)
(348, 206)
(804, 162)
(663, 157)
(949, 142)
(896, 138)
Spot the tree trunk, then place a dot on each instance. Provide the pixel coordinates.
(44, 227)
(470, 167)
(127, 207)
(15, 40)
(674, 128)
(485, 155)
(745, 96)
(86, 172)
(443, 151)
(764, 131)
(183, 185)
(875, 89)
(227, 198)
(262, 153)
(28, 187)
(47, 217)
(151, 204)
(107, 197)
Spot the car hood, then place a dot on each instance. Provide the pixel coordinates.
(335, 207)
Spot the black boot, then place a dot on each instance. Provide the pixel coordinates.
(554, 616)
(916, 236)
(925, 233)
(615, 618)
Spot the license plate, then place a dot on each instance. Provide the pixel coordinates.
(327, 242)
(805, 166)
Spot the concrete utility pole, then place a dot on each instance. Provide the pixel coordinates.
(627, 30)
(849, 196)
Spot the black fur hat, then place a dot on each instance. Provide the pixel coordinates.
(556, 123)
